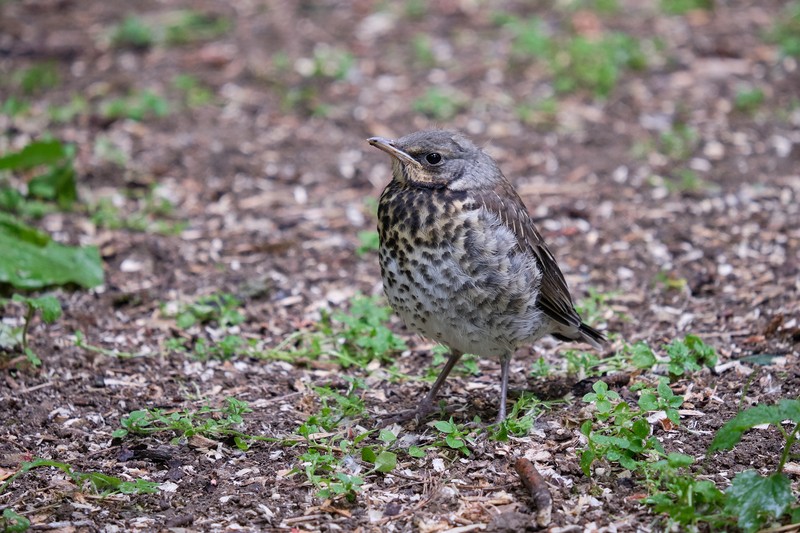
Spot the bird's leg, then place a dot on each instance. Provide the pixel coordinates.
(426, 404)
(505, 361)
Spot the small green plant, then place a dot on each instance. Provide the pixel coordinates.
(194, 93)
(220, 308)
(381, 459)
(80, 342)
(102, 484)
(365, 335)
(669, 281)
(622, 434)
(212, 423)
(10, 337)
(11, 522)
(576, 62)
(330, 462)
(662, 399)
(456, 436)
(519, 421)
(329, 62)
(415, 9)
(680, 7)
(754, 498)
(679, 142)
(592, 307)
(369, 242)
(132, 32)
(190, 26)
(51, 163)
(352, 339)
(303, 98)
(689, 355)
(640, 355)
(423, 50)
(786, 32)
(748, 100)
(685, 499)
(37, 78)
(541, 368)
(596, 64)
(62, 114)
(346, 405)
(601, 6)
(685, 180)
(469, 364)
(582, 364)
(151, 215)
(439, 104)
(14, 107)
(530, 38)
(138, 105)
(542, 111)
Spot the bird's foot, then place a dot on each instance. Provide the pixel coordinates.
(418, 415)
(401, 417)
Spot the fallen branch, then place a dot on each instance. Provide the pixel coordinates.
(537, 486)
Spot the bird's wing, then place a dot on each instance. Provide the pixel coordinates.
(554, 297)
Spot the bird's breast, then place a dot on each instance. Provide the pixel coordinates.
(455, 273)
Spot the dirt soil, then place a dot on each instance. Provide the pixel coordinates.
(275, 181)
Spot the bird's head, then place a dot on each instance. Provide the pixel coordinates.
(437, 159)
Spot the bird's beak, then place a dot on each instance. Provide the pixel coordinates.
(387, 145)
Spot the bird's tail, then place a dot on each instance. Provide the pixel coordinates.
(592, 336)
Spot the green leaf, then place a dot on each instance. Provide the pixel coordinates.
(678, 460)
(454, 442)
(416, 451)
(587, 458)
(34, 154)
(628, 463)
(368, 455)
(387, 436)
(49, 306)
(14, 227)
(647, 401)
(642, 356)
(32, 357)
(29, 263)
(641, 428)
(444, 426)
(731, 433)
(600, 387)
(386, 461)
(702, 351)
(58, 184)
(12, 522)
(755, 498)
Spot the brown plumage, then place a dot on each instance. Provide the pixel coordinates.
(461, 260)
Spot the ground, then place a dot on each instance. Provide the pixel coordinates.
(667, 185)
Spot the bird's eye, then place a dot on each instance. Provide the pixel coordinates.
(433, 158)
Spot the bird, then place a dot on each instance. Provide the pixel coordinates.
(461, 260)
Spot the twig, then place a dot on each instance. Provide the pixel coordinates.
(537, 486)
(36, 387)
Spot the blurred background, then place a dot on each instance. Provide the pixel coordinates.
(239, 128)
(220, 146)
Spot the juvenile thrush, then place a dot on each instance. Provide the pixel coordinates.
(461, 260)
